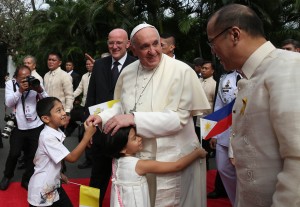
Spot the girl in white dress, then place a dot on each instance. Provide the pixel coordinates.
(129, 184)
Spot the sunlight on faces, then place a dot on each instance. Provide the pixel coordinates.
(118, 43)
(146, 45)
(57, 116)
(134, 143)
(53, 62)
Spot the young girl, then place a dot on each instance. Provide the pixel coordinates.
(129, 184)
(44, 187)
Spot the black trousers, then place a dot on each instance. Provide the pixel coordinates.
(77, 114)
(64, 200)
(219, 186)
(26, 140)
(101, 165)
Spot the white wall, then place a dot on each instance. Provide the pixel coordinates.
(11, 67)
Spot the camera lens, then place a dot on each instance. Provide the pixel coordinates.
(34, 82)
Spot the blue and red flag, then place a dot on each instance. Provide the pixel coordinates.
(217, 122)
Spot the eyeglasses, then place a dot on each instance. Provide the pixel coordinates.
(210, 42)
(112, 43)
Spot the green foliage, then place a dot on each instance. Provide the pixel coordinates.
(74, 27)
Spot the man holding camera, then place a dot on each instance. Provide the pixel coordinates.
(22, 94)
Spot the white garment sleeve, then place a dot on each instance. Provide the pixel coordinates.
(79, 89)
(109, 113)
(11, 97)
(158, 124)
(44, 94)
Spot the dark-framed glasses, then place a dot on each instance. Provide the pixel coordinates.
(211, 42)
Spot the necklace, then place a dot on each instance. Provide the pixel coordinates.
(136, 100)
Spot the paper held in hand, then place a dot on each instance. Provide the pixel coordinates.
(96, 109)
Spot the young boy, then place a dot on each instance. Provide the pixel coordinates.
(44, 187)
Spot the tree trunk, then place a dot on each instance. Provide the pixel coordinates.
(33, 5)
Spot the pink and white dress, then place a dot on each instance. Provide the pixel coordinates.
(128, 188)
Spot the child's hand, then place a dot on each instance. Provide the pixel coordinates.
(89, 129)
(232, 160)
(64, 178)
(201, 152)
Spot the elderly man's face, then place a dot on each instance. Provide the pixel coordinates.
(147, 47)
(117, 43)
(29, 63)
(221, 45)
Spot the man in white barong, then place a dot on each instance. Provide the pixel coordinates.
(159, 95)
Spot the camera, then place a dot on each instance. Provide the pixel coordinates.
(32, 81)
(10, 125)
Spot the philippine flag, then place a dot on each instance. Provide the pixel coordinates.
(217, 122)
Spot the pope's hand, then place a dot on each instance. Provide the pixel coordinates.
(118, 121)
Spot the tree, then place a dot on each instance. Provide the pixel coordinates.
(12, 23)
(74, 27)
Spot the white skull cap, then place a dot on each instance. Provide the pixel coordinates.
(139, 27)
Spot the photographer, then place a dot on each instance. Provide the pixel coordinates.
(22, 94)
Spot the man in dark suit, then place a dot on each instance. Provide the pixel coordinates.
(75, 76)
(101, 89)
(75, 81)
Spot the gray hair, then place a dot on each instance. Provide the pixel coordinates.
(30, 56)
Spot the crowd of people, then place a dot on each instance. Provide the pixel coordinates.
(149, 143)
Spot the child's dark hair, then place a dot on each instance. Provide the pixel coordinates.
(45, 105)
(114, 144)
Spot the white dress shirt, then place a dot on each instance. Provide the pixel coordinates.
(46, 178)
(26, 117)
(83, 87)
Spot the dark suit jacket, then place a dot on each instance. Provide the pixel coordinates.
(101, 87)
(76, 79)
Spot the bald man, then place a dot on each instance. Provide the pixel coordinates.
(101, 89)
(266, 113)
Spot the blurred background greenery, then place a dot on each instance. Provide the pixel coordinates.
(74, 27)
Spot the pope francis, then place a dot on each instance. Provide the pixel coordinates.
(159, 95)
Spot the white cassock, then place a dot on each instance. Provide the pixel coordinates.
(165, 99)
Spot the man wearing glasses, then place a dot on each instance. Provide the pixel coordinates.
(266, 113)
(101, 89)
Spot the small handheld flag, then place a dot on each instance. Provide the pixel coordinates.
(89, 196)
(217, 122)
(96, 109)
